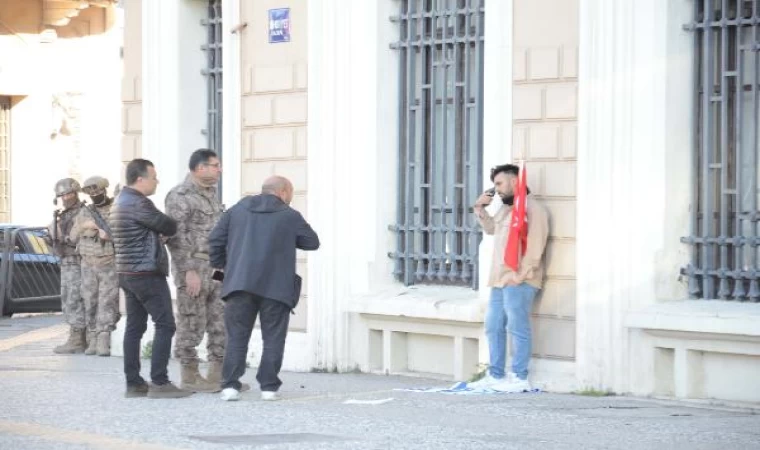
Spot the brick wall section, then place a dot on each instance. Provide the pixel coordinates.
(545, 107)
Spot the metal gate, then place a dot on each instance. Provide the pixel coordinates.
(213, 73)
(724, 235)
(30, 274)
(440, 140)
(5, 159)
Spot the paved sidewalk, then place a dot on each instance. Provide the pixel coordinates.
(49, 401)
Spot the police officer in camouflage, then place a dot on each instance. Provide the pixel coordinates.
(72, 305)
(100, 284)
(195, 206)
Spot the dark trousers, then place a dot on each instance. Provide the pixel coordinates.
(147, 294)
(240, 314)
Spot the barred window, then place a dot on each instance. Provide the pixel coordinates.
(440, 146)
(724, 217)
(213, 73)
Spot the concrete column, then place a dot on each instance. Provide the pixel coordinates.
(497, 110)
(231, 103)
(349, 156)
(633, 170)
(174, 89)
(173, 99)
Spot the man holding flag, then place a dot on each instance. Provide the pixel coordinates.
(520, 229)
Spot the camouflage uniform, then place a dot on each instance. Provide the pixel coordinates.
(100, 284)
(72, 305)
(196, 210)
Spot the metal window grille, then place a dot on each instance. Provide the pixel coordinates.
(213, 73)
(440, 140)
(724, 239)
(5, 153)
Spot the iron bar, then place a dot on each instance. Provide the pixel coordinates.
(724, 217)
(439, 158)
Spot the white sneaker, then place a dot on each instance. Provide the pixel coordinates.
(230, 395)
(484, 383)
(512, 384)
(269, 396)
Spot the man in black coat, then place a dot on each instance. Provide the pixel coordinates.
(138, 229)
(255, 245)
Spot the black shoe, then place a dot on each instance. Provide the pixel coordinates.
(135, 391)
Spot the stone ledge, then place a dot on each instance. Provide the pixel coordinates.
(698, 316)
(456, 304)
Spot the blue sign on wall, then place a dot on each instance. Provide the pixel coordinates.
(279, 25)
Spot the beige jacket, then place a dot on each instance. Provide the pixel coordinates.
(531, 267)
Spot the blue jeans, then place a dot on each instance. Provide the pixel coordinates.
(509, 310)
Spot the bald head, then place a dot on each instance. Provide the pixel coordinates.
(279, 186)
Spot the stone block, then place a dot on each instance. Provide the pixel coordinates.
(562, 101)
(560, 258)
(301, 142)
(544, 63)
(519, 65)
(543, 141)
(559, 180)
(562, 217)
(553, 337)
(290, 108)
(295, 171)
(569, 141)
(557, 298)
(257, 110)
(271, 143)
(526, 102)
(253, 175)
(570, 62)
(272, 79)
(302, 75)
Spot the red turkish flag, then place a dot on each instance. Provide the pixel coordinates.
(517, 240)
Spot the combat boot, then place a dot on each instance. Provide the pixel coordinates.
(167, 390)
(214, 375)
(92, 340)
(75, 343)
(193, 381)
(104, 343)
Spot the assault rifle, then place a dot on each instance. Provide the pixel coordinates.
(56, 213)
(99, 221)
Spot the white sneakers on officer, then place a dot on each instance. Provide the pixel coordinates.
(269, 396)
(512, 384)
(230, 395)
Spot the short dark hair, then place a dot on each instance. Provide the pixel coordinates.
(510, 169)
(201, 156)
(137, 168)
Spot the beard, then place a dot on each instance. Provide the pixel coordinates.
(509, 199)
